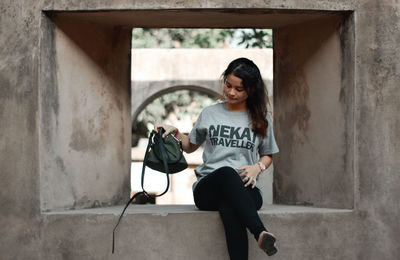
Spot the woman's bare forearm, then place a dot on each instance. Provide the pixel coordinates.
(266, 160)
(187, 145)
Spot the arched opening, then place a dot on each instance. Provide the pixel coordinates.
(138, 108)
(178, 106)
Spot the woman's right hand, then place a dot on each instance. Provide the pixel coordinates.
(168, 129)
(186, 145)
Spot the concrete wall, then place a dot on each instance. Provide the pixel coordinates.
(19, 132)
(84, 114)
(368, 230)
(314, 120)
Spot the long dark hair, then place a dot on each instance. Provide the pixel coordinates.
(254, 86)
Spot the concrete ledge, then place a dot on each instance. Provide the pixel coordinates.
(183, 232)
(164, 210)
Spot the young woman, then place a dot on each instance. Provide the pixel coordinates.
(239, 143)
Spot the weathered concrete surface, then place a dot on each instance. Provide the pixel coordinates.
(377, 93)
(198, 4)
(370, 231)
(192, 234)
(19, 160)
(85, 114)
(314, 123)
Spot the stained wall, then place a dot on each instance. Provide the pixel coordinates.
(370, 164)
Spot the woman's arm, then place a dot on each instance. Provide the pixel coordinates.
(266, 160)
(186, 144)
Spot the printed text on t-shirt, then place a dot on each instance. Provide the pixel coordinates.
(230, 136)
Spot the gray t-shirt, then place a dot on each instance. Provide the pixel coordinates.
(229, 140)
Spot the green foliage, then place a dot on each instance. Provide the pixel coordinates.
(201, 38)
(256, 38)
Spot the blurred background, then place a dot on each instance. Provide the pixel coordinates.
(175, 73)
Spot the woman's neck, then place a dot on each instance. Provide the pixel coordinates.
(240, 107)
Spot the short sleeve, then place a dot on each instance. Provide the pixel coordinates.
(268, 144)
(199, 132)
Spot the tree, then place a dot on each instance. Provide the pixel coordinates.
(255, 38)
(201, 38)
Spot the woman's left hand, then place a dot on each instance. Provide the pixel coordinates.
(249, 174)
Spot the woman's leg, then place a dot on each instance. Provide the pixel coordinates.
(223, 190)
(235, 232)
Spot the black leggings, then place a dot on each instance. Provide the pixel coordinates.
(224, 190)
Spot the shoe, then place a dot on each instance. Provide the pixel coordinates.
(266, 242)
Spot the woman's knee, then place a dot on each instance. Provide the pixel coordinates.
(225, 176)
(230, 173)
(227, 170)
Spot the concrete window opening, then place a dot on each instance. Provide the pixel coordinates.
(196, 65)
(84, 146)
(85, 103)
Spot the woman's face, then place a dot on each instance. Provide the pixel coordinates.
(234, 90)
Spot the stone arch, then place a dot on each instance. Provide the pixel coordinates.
(158, 92)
